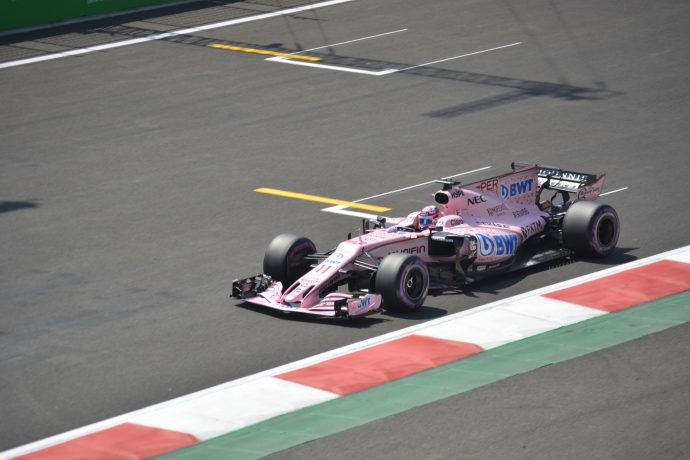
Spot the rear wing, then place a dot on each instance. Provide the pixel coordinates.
(559, 179)
(586, 186)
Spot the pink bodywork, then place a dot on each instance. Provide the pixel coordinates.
(499, 212)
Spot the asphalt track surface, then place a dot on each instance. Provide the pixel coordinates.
(127, 206)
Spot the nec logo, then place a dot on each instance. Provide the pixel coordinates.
(476, 200)
(517, 188)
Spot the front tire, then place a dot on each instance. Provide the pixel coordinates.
(591, 229)
(403, 282)
(284, 258)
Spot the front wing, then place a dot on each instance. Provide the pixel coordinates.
(262, 290)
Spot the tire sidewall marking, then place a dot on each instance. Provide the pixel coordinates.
(594, 240)
(409, 266)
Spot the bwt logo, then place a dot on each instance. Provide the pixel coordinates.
(497, 245)
(365, 302)
(517, 188)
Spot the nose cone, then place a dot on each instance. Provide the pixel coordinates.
(298, 292)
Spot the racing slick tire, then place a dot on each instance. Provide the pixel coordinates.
(284, 258)
(403, 282)
(591, 229)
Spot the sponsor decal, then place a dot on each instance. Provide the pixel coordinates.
(481, 267)
(375, 236)
(586, 191)
(473, 248)
(565, 175)
(364, 302)
(493, 224)
(496, 210)
(415, 250)
(456, 193)
(339, 255)
(329, 283)
(497, 245)
(493, 266)
(476, 200)
(298, 289)
(488, 185)
(302, 246)
(450, 222)
(516, 188)
(441, 238)
(566, 185)
(332, 262)
(531, 229)
(521, 213)
(309, 281)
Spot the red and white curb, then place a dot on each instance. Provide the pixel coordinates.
(225, 408)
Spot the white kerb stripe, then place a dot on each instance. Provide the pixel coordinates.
(234, 408)
(497, 326)
(556, 311)
(682, 257)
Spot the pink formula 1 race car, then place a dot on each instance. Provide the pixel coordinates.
(485, 228)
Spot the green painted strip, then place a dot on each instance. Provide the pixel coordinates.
(347, 412)
(23, 13)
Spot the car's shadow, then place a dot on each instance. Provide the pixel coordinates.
(423, 313)
(494, 285)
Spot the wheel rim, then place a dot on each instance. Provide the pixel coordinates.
(606, 231)
(414, 284)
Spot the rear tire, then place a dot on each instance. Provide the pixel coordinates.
(591, 229)
(284, 258)
(403, 282)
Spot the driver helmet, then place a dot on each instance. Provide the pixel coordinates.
(429, 216)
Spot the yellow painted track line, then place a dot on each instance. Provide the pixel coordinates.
(260, 51)
(320, 199)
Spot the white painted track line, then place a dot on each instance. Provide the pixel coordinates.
(423, 183)
(614, 191)
(350, 41)
(458, 57)
(161, 36)
(381, 72)
(339, 209)
(330, 67)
